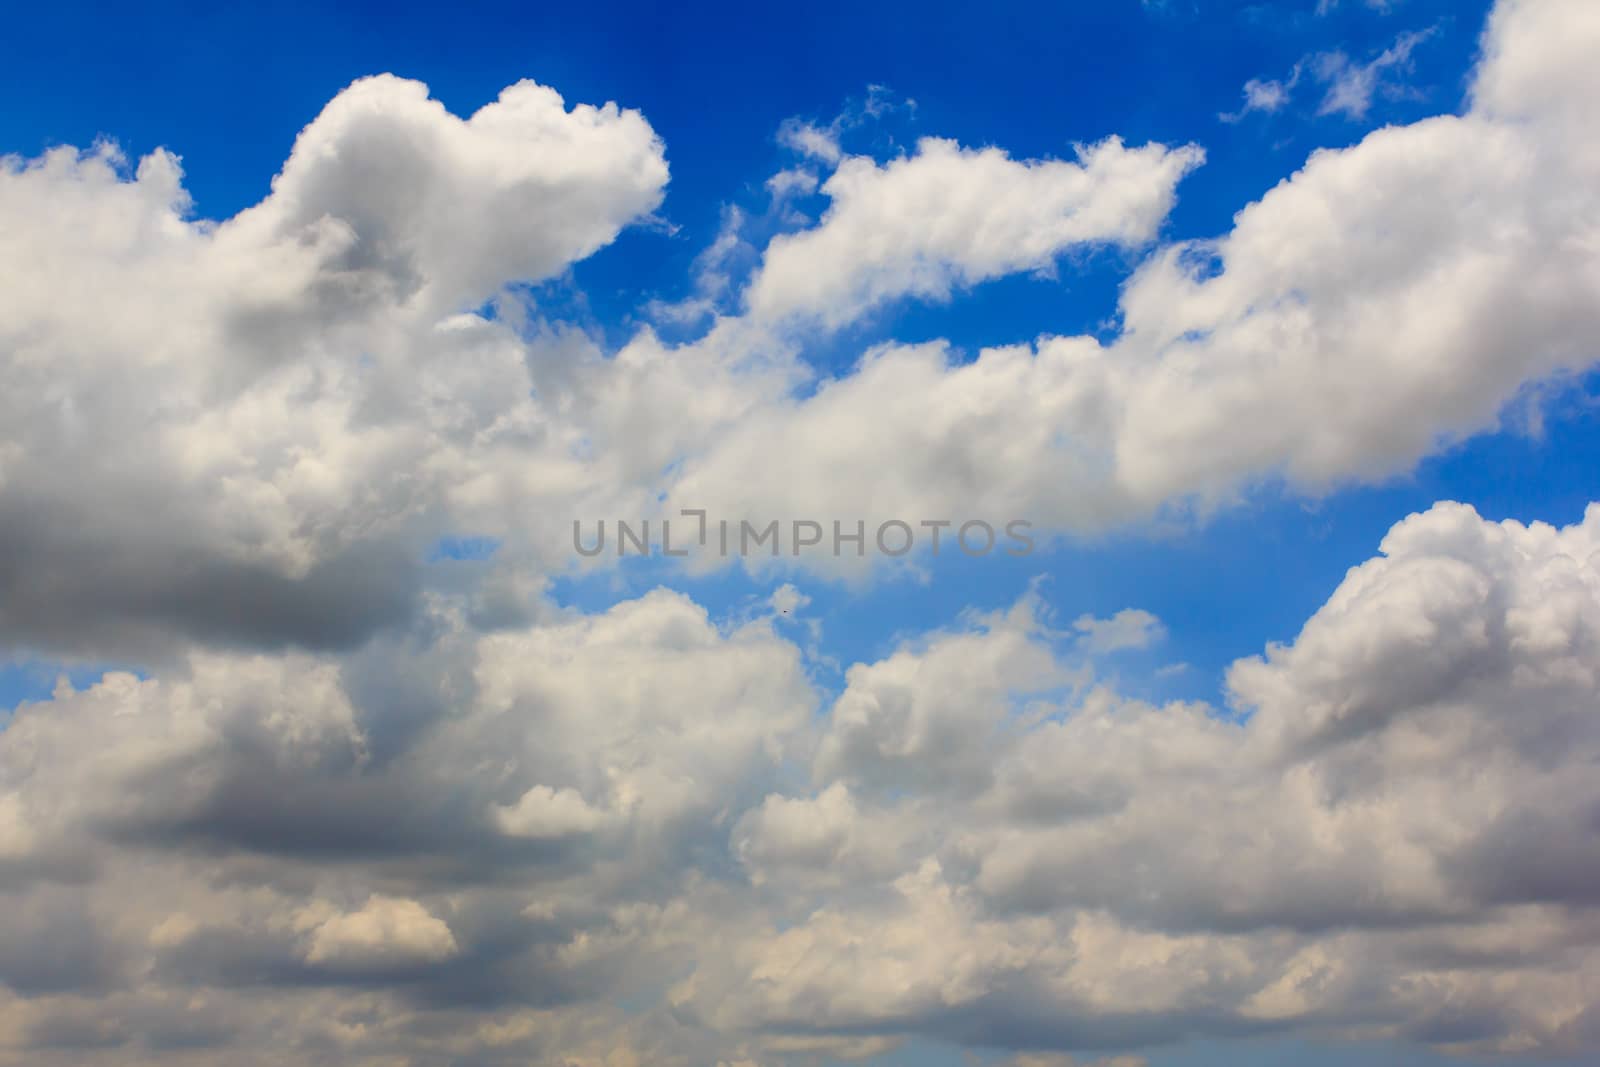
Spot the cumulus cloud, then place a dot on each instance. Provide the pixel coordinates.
(263, 822)
(264, 462)
(384, 931)
(1386, 832)
(1405, 788)
(1385, 299)
(260, 412)
(948, 216)
(546, 812)
(350, 812)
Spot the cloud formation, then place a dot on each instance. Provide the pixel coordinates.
(946, 216)
(1388, 831)
(270, 418)
(355, 810)
(259, 413)
(1384, 300)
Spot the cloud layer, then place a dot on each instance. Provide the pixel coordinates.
(1388, 831)
(355, 809)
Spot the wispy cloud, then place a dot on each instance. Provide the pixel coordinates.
(1351, 85)
(1265, 95)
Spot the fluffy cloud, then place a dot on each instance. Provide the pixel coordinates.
(269, 419)
(508, 825)
(262, 418)
(352, 811)
(947, 216)
(1386, 298)
(1403, 794)
(1389, 832)
(383, 932)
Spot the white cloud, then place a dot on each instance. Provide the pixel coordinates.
(276, 408)
(383, 932)
(1351, 85)
(795, 181)
(948, 217)
(917, 716)
(350, 814)
(1127, 629)
(1410, 788)
(1391, 829)
(1385, 299)
(787, 599)
(1268, 95)
(811, 141)
(549, 813)
(517, 191)
(308, 411)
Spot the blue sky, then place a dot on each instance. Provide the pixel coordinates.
(268, 462)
